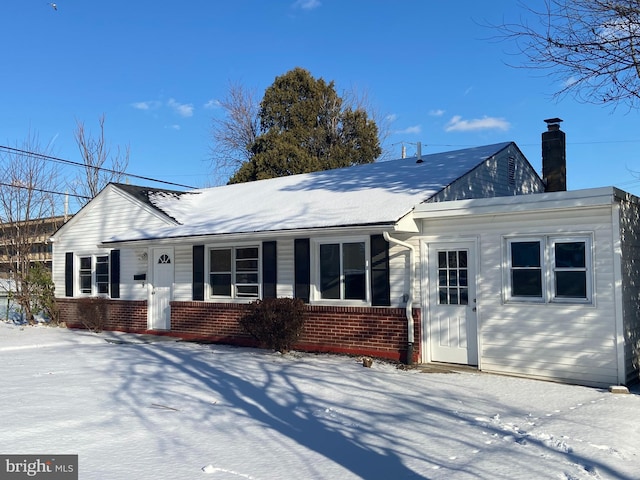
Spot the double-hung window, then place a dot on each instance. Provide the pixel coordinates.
(526, 273)
(234, 272)
(94, 274)
(342, 273)
(549, 269)
(570, 273)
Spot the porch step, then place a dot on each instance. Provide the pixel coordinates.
(444, 368)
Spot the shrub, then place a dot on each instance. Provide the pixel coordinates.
(275, 323)
(42, 294)
(92, 313)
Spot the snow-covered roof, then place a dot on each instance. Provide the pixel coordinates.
(371, 194)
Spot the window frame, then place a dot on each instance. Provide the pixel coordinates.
(549, 270)
(316, 274)
(510, 269)
(587, 269)
(234, 295)
(97, 279)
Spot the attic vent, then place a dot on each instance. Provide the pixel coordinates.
(511, 171)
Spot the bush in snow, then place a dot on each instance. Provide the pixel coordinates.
(275, 323)
(32, 299)
(92, 312)
(42, 293)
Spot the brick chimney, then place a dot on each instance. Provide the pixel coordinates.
(554, 157)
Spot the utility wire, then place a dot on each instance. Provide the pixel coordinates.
(78, 164)
(43, 191)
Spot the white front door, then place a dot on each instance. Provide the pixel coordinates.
(160, 289)
(452, 329)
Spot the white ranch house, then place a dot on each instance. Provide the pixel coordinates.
(465, 257)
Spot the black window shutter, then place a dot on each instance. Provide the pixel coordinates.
(115, 273)
(302, 260)
(380, 293)
(68, 274)
(198, 272)
(269, 270)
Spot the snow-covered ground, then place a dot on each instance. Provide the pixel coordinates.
(135, 408)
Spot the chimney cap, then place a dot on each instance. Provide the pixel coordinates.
(553, 120)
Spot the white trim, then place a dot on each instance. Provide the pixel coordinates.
(229, 238)
(77, 285)
(151, 286)
(618, 300)
(233, 298)
(427, 242)
(588, 269)
(314, 287)
(519, 204)
(547, 268)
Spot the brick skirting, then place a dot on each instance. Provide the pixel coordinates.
(374, 331)
(122, 315)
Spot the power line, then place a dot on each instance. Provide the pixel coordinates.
(78, 164)
(40, 190)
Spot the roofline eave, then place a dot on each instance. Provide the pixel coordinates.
(255, 235)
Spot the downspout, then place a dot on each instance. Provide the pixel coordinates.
(409, 306)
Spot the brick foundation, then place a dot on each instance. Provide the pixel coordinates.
(122, 315)
(373, 331)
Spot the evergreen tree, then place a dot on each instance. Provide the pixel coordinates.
(305, 128)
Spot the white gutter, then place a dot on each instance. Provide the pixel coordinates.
(409, 306)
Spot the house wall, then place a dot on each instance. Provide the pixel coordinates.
(629, 215)
(375, 331)
(574, 343)
(111, 213)
(505, 174)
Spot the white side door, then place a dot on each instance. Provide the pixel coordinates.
(161, 289)
(452, 320)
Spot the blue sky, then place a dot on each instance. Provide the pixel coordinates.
(156, 70)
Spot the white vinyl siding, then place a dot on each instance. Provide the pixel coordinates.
(628, 243)
(572, 342)
(503, 175)
(183, 271)
(108, 214)
(285, 267)
(399, 272)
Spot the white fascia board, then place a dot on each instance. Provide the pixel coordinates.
(535, 202)
(254, 236)
(407, 224)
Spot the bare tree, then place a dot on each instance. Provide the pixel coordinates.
(100, 165)
(235, 132)
(355, 100)
(28, 204)
(590, 46)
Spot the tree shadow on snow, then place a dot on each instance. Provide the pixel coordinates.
(270, 391)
